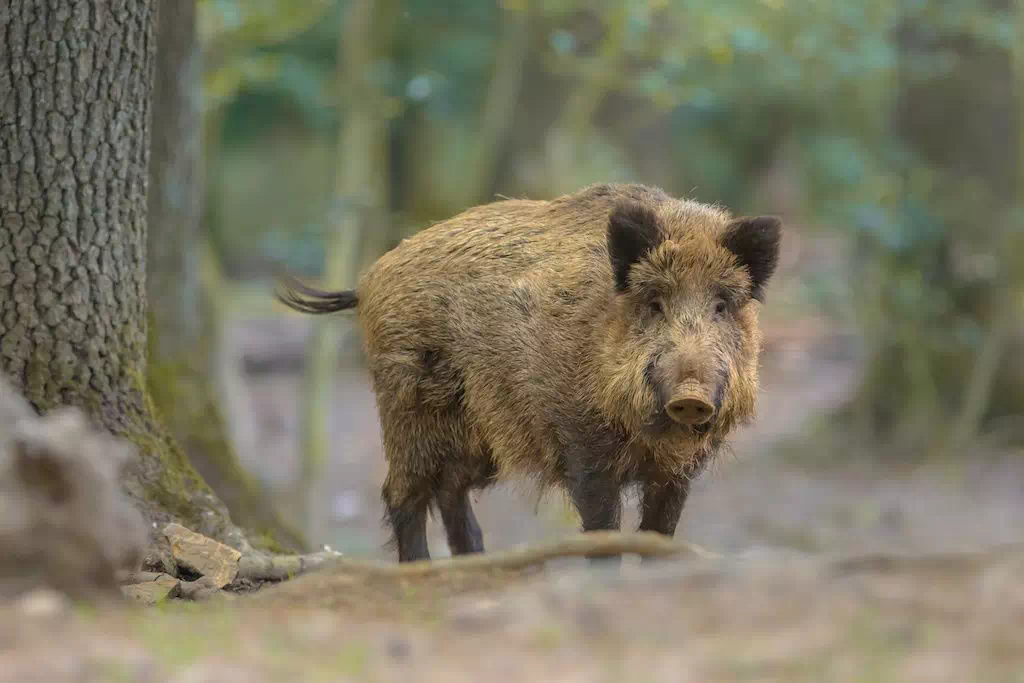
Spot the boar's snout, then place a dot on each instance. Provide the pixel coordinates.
(691, 404)
(690, 410)
(688, 390)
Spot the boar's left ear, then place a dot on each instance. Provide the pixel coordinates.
(633, 231)
(755, 243)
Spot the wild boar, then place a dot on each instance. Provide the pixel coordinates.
(604, 338)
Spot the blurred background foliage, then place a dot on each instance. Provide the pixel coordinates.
(892, 125)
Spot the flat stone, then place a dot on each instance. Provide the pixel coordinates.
(152, 592)
(203, 555)
(127, 578)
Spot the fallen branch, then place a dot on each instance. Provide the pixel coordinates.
(647, 544)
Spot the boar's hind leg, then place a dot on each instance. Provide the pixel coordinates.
(464, 534)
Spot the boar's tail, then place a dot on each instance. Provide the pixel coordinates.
(305, 299)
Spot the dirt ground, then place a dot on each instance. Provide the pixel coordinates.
(896, 619)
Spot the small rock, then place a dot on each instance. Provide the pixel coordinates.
(65, 521)
(399, 648)
(152, 592)
(318, 628)
(203, 555)
(43, 602)
(591, 619)
(158, 559)
(479, 614)
(215, 670)
(203, 588)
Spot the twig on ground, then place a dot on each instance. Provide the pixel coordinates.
(946, 562)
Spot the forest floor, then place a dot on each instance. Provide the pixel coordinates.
(830, 571)
(955, 618)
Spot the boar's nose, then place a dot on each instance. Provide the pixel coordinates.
(690, 410)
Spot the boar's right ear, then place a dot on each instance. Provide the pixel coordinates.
(633, 231)
(755, 243)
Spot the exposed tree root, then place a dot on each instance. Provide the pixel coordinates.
(260, 567)
(647, 544)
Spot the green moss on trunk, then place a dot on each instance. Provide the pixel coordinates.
(164, 483)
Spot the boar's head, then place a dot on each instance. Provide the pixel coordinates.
(682, 349)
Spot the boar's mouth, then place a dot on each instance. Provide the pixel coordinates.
(660, 422)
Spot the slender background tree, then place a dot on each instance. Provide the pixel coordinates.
(183, 312)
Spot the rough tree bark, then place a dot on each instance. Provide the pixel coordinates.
(75, 86)
(182, 320)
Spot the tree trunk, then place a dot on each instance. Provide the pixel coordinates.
(76, 80)
(183, 321)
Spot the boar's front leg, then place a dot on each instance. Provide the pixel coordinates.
(598, 499)
(587, 456)
(662, 504)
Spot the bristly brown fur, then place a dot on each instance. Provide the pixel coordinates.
(542, 339)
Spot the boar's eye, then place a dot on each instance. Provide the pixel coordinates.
(721, 306)
(656, 307)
